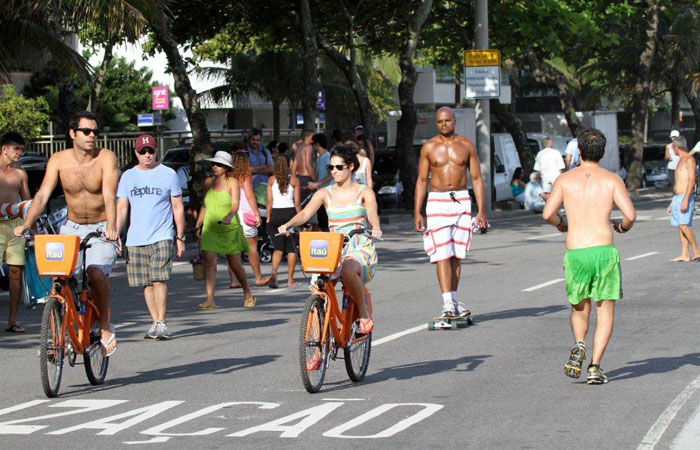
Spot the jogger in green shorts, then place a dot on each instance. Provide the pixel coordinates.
(591, 264)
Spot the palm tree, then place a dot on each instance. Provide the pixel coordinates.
(273, 75)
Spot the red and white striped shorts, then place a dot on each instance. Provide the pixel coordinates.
(448, 229)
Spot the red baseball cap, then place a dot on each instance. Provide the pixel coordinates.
(145, 140)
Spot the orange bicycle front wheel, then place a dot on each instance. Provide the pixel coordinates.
(313, 350)
(52, 349)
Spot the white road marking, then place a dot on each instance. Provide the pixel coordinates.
(657, 430)
(663, 218)
(540, 286)
(542, 237)
(343, 399)
(122, 325)
(155, 440)
(641, 256)
(689, 436)
(391, 337)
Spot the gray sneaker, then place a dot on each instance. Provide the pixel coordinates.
(162, 331)
(448, 310)
(151, 333)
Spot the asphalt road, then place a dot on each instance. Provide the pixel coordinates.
(230, 377)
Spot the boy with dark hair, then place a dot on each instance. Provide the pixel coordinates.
(14, 186)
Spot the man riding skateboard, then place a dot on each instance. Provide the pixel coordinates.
(447, 235)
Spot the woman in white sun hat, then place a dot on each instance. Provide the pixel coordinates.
(219, 228)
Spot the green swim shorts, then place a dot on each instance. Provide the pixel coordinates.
(592, 272)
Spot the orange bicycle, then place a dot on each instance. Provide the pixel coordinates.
(69, 311)
(327, 327)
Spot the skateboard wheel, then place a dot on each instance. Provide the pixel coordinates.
(431, 326)
(454, 325)
(470, 321)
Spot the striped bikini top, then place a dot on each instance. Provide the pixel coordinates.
(342, 219)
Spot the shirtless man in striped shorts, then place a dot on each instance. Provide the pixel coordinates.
(447, 235)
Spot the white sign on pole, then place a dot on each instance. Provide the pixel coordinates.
(482, 82)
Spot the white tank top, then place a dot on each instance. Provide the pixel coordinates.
(359, 176)
(280, 200)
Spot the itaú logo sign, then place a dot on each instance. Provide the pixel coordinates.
(54, 251)
(318, 248)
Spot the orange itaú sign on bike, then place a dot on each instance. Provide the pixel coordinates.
(56, 255)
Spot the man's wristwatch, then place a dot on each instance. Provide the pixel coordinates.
(181, 238)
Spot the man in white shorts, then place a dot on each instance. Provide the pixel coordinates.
(447, 235)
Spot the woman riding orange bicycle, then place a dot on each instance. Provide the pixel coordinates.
(349, 206)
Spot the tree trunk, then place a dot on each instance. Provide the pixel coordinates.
(675, 105)
(201, 145)
(98, 80)
(406, 127)
(694, 100)
(310, 62)
(67, 107)
(276, 119)
(514, 126)
(640, 97)
(546, 75)
(349, 68)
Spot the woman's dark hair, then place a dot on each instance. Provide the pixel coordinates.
(591, 142)
(237, 146)
(272, 144)
(517, 174)
(349, 155)
(282, 147)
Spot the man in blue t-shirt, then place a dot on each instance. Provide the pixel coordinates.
(323, 159)
(153, 191)
(260, 158)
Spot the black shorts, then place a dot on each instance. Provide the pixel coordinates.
(278, 217)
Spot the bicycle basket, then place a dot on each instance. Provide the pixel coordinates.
(56, 255)
(319, 251)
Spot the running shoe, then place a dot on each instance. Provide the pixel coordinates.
(460, 309)
(596, 375)
(151, 333)
(572, 368)
(162, 331)
(448, 310)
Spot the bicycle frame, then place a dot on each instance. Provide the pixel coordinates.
(78, 326)
(337, 321)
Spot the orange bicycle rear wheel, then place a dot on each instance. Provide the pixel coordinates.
(51, 352)
(313, 351)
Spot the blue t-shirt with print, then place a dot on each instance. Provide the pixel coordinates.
(259, 159)
(149, 192)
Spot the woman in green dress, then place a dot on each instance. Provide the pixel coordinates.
(219, 228)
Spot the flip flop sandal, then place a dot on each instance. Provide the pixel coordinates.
(205, 307)
(366, 326)
(15, 328)
(249, 302)
(264, 283)
(109, 341)
(233, 286)
(313, 364)
(273, 283)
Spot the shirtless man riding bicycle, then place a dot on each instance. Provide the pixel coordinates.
(89, 178)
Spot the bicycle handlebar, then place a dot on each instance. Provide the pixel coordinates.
(364, 231)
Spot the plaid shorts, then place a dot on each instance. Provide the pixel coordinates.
(149, 263)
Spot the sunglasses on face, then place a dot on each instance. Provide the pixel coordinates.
(88, 131)
(219, 165)
(337, 167)
(148, 150)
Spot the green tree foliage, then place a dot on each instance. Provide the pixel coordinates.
(126, 92)
(28, 116)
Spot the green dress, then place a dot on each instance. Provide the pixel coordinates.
(220, 238)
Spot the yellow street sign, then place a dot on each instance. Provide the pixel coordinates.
(480, 58)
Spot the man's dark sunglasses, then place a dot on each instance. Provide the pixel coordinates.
(148, 150)
(338, 167)
(87, 131)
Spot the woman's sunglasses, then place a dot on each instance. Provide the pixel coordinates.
(215, 164)
(148, 150)
(337, 167)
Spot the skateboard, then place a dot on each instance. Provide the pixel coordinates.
(450, 323)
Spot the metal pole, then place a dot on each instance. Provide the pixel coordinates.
(483, 113)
